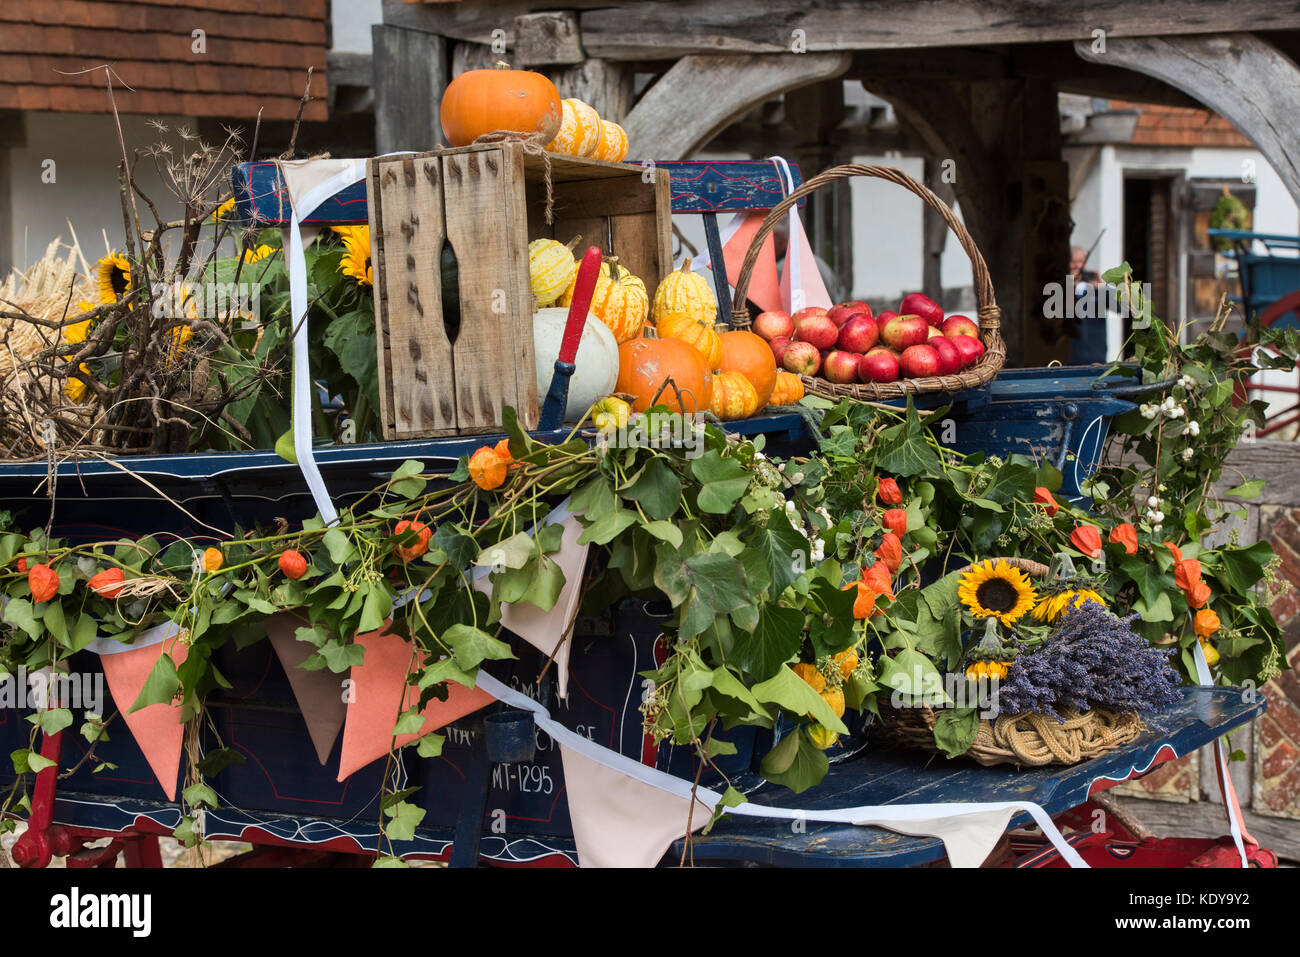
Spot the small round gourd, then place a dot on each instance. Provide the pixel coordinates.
(579, 129)
(686, 291)
(619, 301)
(478, 102)
(551, 269)
(734, 397)
(788, 389)
(612, 145)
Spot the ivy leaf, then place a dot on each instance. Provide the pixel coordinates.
(406, 480)
(701, 587)
(785, 551)
(657, 488)
(795, 762)
(665, 532)
(389, 862)
(547, 583)
(200, 793)
(409, 722)
(791, 692)
(912, 675)
(594, 500)
(339, 546)
(54, 720)
(339, 656)
(955, 730)
(459, 548)
(513, 552)
(1158, 610)
(376, 609)
(607, 528)
(405, 816)
(84, 632)
(725, 683)
(1250, 489)
(161, 685)
(19, 612)
(472, 645)
(430, 746)
(722, 481)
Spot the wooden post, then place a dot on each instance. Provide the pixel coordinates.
(543, 39)
(410, 76)
(1238, 75)
(605, 85)
(934, 230)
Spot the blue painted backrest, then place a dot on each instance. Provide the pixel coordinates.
(701, 187)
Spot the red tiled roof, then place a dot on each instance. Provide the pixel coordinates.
(257, 54)
(1179, 126)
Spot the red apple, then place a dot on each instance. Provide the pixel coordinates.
(773, 325)
(779, 345)
(841, 366)
(802, 358)
(919, 361)
(878, 365)
(884, 317)
(844, 311)
(970, 348)
(960, 326)
(816, 329)
(808, 311)
(950, 357)
(903, 331)
(859, 334)
(922, 306)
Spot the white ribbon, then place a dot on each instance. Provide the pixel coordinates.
(884, 815)
(1225, 784)
(793, 250)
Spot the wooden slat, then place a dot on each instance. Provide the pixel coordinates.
(487, 225)
(417, 391)
(410, 77)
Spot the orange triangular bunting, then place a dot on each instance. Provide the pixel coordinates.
(319, 693)
(157, 729)
(380, 693)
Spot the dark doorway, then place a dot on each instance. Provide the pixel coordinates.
(1151, 239)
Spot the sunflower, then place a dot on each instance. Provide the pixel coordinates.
(996, 590)
(112, 277)
(257, 255)
(356, 261)
(1052, 607)
(224, 208)
(988, 669)
(73, 334)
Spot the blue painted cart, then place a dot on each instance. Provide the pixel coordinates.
(284, 801)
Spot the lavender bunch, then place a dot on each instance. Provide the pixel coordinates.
(1093, 660)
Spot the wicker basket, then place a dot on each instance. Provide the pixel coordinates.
(989, 315)
(1025, 740)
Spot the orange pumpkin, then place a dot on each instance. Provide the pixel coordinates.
(734, 396)
(612, 144)
(579, 131)
(620, 300)
(743, 351)
(644, 365)
(701, 335)
(788, 389)
(484, 101)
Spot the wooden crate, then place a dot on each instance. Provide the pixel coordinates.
(484, 204)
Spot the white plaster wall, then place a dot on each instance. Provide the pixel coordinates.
(350, 22)
(85, 152)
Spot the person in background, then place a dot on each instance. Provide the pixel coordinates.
(1090, 346)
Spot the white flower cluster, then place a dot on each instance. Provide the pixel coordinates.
(1153, 513)
(816, 544)
(1169, 407)
(1187, 382)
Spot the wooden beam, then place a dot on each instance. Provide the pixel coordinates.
(682, 27)
(1206, 819)
(605, 85)
(1238, 75)
(410, 76)
(547, 39)
(701, 95)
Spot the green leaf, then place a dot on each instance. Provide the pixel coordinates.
(161, 685)
(339, 656)
(791, 692)
(19, 612)
(83, 632)
(460, 549)
(547, 583)
(406, 480)
(608, 527)
(54, 720)
(472, 645)
(1250, 489)
(912, 674)
(722, 479)
(513, 552)
(657, 488)
(665, 532)
(717, 747)
(200, 793)
(405, 818)
(1158, 610)
(409, 721)
(377, 607)
(785, 551)
(217, 760)
(955, 730)
(430, 746)
(795, 762)
(339, 546)
(725, 683)
(389, 862)
(701, 587)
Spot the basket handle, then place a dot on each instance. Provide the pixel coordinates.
(990, 315)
